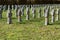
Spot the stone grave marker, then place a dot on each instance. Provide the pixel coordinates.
(9, 15)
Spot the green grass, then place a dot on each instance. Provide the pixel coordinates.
(34, 29)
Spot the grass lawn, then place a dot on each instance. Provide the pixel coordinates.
(34, 29)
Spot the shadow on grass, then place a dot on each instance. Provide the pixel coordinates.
(36, 20)
(55, 23)
(50, 24)
(23, 22)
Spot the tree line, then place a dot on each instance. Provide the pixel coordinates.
(28, 1)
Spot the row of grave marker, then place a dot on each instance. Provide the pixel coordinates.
(52, 10)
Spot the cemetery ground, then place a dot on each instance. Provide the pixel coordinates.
(33, 29)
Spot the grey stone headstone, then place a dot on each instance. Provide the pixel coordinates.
(27, 13)
(52, 16)
(19, 15)
(22, 10)
(57, 15)
(33, 12)
(46, 19)
(9, 15)
(12, 7)
(47, 16)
